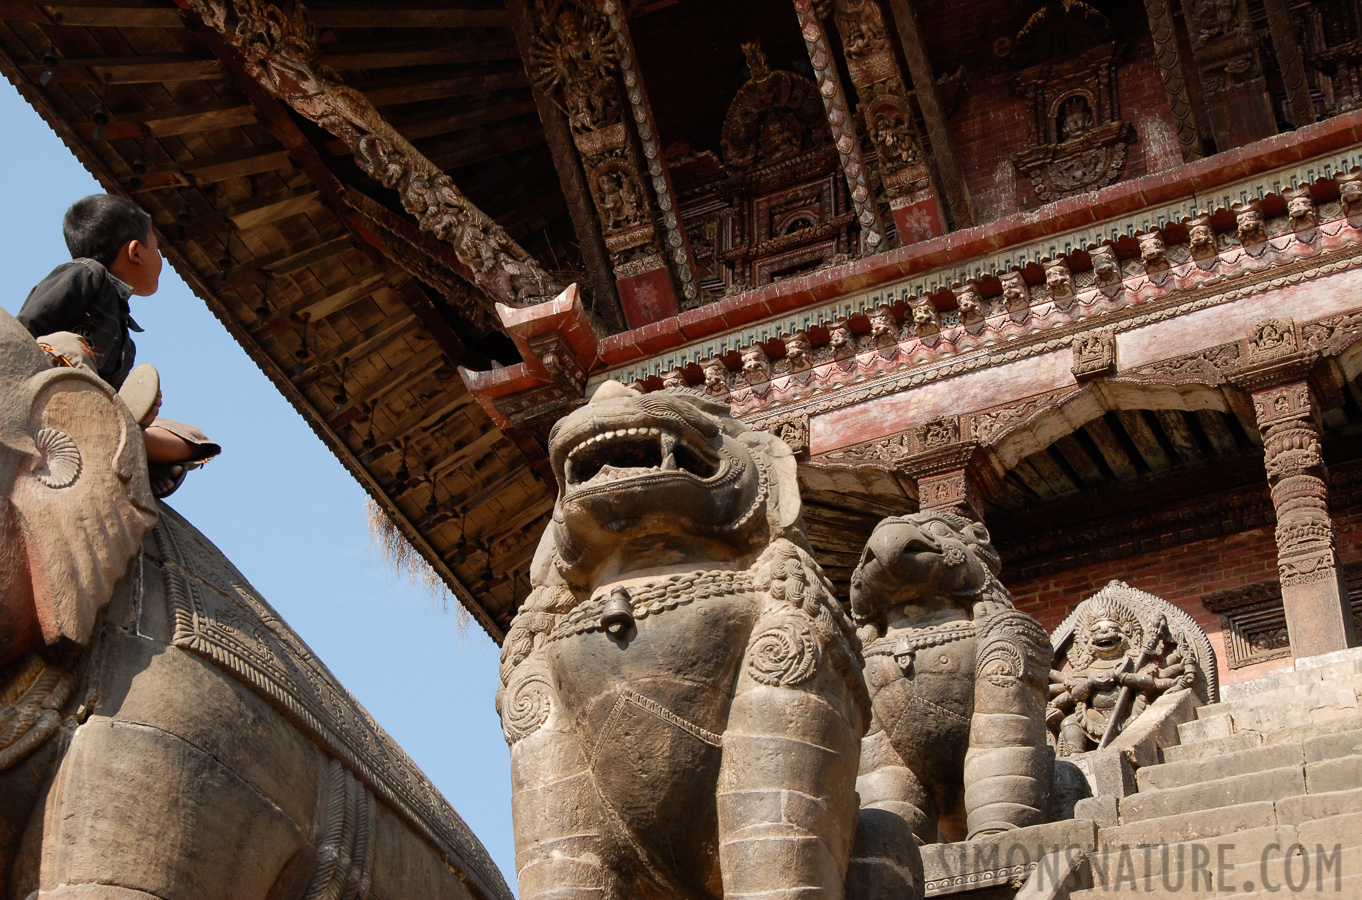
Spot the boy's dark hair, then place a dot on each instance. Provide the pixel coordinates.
(98, 226)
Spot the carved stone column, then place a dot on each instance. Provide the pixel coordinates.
(843, 127)
(1226, 52)
(933, 113)
(578, 59)
(1169, 58)
(1318, 614)
(889, 120)
(951, 474)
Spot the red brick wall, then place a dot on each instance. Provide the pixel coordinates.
(1181, 576)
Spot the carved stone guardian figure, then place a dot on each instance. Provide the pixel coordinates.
(681, 691)
(957, 679)
(163, 734)
(1115, 654)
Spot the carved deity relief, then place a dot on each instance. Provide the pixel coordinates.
(884, 106)
(955, 673)
(1094, 353)
(1078, 137)
(774, 116)
(1271, 339)
(680, 669)
(574, 59)
(1115, 654)
(1225, 49)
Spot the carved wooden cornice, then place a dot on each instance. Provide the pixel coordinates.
(279, 42)
(1030, 307)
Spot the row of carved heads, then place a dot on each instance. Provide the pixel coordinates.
(1063, 279)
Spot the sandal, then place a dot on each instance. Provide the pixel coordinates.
(166, 478)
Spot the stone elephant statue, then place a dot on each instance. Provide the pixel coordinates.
(957, 743)
(681, 691)
(163, 734)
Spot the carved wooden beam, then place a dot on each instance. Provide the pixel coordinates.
(278, 43)
(576, 191)
(1292, 64)
(1169, 59)
(889, 120)
(843, 128)
(933, 113)
(677, 244)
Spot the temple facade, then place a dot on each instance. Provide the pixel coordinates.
(1082, 272)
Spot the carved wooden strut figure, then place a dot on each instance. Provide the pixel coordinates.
(681, 691)
(957, 679)
(163, 734)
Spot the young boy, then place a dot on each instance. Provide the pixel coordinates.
(80, 315)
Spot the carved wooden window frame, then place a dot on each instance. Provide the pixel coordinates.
(1254, 610)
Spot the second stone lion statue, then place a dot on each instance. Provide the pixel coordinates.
(957, 678)
(681, 691)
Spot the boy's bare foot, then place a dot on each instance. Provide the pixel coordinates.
(166, 478)
(141, 393)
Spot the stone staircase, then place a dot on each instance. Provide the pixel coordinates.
(1262, 798)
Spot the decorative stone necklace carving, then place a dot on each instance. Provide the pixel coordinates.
(655, 597)
(904, 645)
(30, 706)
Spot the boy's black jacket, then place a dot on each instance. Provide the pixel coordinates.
(82, 297)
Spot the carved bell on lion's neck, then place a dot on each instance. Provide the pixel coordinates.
(618, 613)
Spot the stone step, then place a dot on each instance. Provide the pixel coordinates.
(1222, 765)
(1304, 808)
(1193, 826)
(1312, 694)
(1326, 708)
(1232, 790)
(1208, 748)
(1315, 669)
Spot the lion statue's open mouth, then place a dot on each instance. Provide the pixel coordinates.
(636, 452)
(650, 478)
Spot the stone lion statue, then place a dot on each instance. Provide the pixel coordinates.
(957, 677)
(163, 734)
(681, 692)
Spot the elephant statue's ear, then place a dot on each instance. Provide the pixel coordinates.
(78, 490)
(782, 471)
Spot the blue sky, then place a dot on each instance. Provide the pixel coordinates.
(283, 509)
